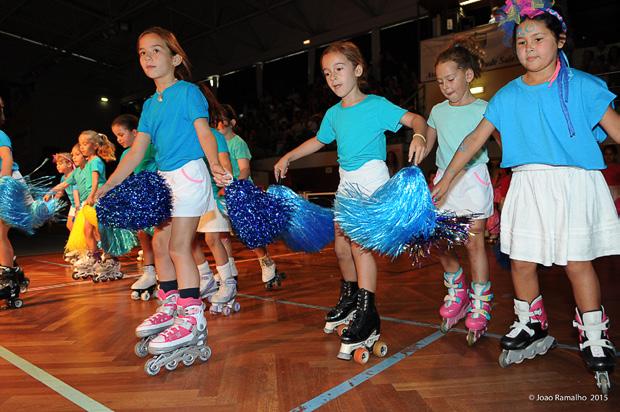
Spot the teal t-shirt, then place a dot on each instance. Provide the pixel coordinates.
(69, 190)
(238, 149)
(5, 141)
(148, 161)
(453, 124)
(359, 130)
(83, 178)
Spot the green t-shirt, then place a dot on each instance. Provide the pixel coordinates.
(148, 161)
(238, 149)
(83, 178)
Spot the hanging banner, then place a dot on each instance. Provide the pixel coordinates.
(488, 36)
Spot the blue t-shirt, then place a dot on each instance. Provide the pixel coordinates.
(452, 124)
(5, 141)
(170, 124)
(359, 130)
(534, 129)
(83, 178)
(69, 190)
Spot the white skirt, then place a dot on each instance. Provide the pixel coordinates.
(191, 189)
(471, 191)
(553, 215)
(213, 221)
(368, 178)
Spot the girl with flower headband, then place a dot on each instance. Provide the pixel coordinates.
(65, 165)
(558, 209)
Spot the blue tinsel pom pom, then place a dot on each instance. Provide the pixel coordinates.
(311, 226)
(43, 211)
(14, 210)
(141, 201)
(257, 217)
(117, 242)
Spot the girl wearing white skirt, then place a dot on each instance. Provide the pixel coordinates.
(558, 209)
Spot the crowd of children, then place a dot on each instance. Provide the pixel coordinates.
(557, 210)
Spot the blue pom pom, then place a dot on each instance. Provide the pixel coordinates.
(257, 217)
(43, 211)
(117, 242)
(387, 220)
(14, 209)
(141, 201)
(311, 226)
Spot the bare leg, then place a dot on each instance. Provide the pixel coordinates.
(217, 248)
(344, 254)
(147, 248)
(366, 268)
(525, 280)
(586, 287)
(477, 254)
(6, 249)
(180, 247)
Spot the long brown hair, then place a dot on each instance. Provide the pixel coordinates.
(182, 71)
(105, 148)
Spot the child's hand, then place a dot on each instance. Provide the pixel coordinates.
(440, 189)
(47, 197)
(221, 176)
(90, 200)
(417, 149)
(280, 168)
(100, 192)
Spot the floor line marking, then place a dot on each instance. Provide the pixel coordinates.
(339, 390)
(58, 386)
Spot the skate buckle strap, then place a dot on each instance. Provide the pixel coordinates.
(520, 326)
(593, 327)
(450, 298)
(480, 311)
(450, 285)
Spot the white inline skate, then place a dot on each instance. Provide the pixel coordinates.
(107, 268)
(144, 287)
(185, 341)
(84, 267)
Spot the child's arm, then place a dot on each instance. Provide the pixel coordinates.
(209, 147)
(308, 147)
(224, 158)
(431, 138)
(90, 200)
(610, 122)
(417, 148)
(127, 165)
(76, 198)
(54, 191)
(244, 168)
(468, 148)
(7, 161)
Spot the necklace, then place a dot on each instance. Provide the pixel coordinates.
(160, 95)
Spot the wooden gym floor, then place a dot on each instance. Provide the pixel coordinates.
(70, 346)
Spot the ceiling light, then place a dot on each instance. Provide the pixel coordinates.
(104, 99)
(466, 2)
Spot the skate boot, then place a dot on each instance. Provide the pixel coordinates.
(597, 350)
(340, 316)
(84, 267)
(208, 285)
(107, 268)
(223, 301)
(271, 278)
(23, 281)
(456, 302)
(161, 320)
(364, 331)
(144, 287)
(234, 271)
(185, 340)
(10, 286)
(528, 335)
(72, 256)
(480, 313)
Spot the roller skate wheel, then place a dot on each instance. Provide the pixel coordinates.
(205, 354)
(341, 329)
(95, 280)
(380, 349)
(188, 359)
(503, 359)
(444, 326)
(237, 307)
(75, 276)
(471, 338)
(18, 303)
(145, 295)
(141, 350)
(602, 382)
(226, 311)
(135, 295)
(151, 368)
(361, 356)
(172, 365)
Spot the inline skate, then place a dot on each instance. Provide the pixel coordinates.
(480, 312)
(456, 302)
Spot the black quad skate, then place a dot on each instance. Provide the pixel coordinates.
(340, 316)
(12, 280)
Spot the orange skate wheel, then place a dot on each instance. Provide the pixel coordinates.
(380, 349)
(341, 328)
(361, 355)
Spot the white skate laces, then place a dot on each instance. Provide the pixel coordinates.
(522, 310)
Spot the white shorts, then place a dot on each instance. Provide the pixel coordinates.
(71, 211)
(368, 178)
(554, 214)
(213, 221)
(471, 191)
(191, 189)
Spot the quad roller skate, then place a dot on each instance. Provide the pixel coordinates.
(480, 313)
(340, 316)
(456, 302)
(161, 320)
(22, 280)
(184, 341)
(271, 277)
(144, 287)
(208, 285)
(84, 267)
(234, 271)
(11, 280)
(107, 268)
(528, 335)
(223, 301)
(362, 335)
(596, 349)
